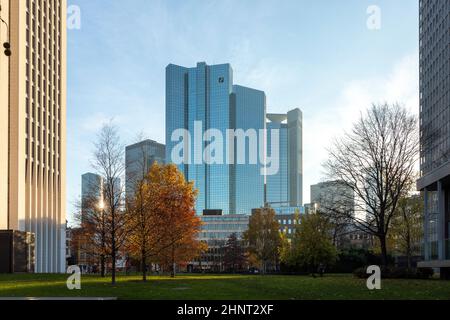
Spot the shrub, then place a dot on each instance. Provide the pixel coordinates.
(351, 259)
(361, 273)
(397, 273)
(425, 273)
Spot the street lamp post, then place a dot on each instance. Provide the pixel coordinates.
(6, 45)
(7, 51)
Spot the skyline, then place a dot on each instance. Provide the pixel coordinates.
(320, 63)
(197, 150)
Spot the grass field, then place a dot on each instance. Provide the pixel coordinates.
(217, 287)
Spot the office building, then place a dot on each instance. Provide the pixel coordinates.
(92, 202)
(33, 127)
(288, 218)
(217, 229)
(204, 98)
(288, 223)
(435, 131)
(289, 210)
(139, 158)
(333, 196)
(285, 188)
(248, 113)
(215, 232)
(91, 192)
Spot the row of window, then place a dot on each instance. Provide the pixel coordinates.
(288, 221)
(435, 84)
(43, 107)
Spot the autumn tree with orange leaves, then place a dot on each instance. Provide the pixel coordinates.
(163, 226)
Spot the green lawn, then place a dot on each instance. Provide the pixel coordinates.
(216, 287)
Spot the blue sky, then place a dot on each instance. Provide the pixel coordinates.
(317, 55)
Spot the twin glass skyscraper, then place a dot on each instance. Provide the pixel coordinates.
(286, 187)
(202, 99)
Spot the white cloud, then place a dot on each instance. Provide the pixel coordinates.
(401, 85)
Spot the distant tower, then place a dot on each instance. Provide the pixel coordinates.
(139, 158)
(286, 187)
(91, 192)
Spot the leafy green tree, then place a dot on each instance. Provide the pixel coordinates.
(407, 228)
(263, 237)
(312, 244)
(285, 249)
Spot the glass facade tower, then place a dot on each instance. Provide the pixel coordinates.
(248, 112)
(201, 99)
(139, 158)
(91, 192)
(435, 131)
(286, 187)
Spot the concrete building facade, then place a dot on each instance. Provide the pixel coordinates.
(33, 126)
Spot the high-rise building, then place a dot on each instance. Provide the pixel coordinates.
(92, 201)
(435, 131)
(91, 191)
(139, 158)
(32, 126)
(285, 188)
(248, 112)
(333, 195)
(202, 99)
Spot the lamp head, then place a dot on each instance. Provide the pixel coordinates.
(7, 47)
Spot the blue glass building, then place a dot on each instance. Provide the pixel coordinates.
(248, 112)
(139, 158)
(285, 188)
(203, 98)
(91, 191)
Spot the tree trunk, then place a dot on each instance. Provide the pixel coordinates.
(113, 271)
(102, 256)
(143, 266)
(383, 246)
(113, 246)
(172, 274)
(102, 265)
(113, 257)
(408, 255)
